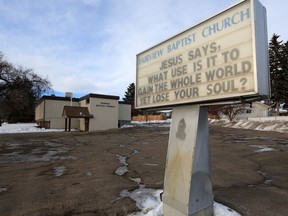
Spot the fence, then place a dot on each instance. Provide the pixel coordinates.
(149, 118)
(270, 118)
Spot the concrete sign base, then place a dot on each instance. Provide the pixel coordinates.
(187, 184)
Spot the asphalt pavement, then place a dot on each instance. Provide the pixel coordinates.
(73, 173)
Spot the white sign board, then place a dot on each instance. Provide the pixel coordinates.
(220, 59)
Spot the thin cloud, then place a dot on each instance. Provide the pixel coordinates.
(91, 45)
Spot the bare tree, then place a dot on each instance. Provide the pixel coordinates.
(20, 88)
(231, 111)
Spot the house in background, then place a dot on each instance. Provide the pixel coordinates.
(255, 110)
(259, 110)
(49, 109)
(88, 113)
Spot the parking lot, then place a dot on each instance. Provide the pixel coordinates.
(81, 173)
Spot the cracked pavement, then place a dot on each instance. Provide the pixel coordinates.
(250, 181)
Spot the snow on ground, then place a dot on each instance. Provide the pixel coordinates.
(24, 128)
(148, 200)
(59, 171)
(2, 189)
(262, 148)
(277, 126)
(221, 210)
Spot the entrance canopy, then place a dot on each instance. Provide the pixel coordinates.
(76, 112)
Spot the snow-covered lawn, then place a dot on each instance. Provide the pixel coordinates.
(277, 126)
(24, 128)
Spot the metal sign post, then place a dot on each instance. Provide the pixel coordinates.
(187, 185)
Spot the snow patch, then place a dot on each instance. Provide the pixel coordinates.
(127, 126)
(262, 148)
(277, 126)
(138, 181)
(88, 173)
(24, 128)
(121, 170)
(59, 171)
(2, 189)
(122, 159)
(147, 200)
(221, 210)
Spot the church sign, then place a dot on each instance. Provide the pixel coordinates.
(220, 59)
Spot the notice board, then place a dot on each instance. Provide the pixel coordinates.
(220, 59)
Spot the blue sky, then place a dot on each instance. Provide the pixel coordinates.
(90, 46)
